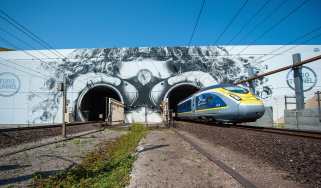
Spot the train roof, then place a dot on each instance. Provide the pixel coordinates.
(215, 86)
(206, 88)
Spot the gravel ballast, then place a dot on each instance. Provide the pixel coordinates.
(301, 157)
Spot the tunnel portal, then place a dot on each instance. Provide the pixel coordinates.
(179, 93)
(93, 102)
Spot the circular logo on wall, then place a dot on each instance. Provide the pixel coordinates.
(9, 84)
(144, 76)
(309, 78)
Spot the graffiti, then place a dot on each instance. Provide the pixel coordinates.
(9, 84)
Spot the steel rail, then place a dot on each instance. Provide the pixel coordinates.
(281, 131)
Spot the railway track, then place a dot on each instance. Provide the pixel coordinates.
(294, 151)
(14, 136)
(281, 131)
(45, 126)
(6, 154)
(290, 132)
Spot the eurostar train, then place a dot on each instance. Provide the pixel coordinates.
(221, 103)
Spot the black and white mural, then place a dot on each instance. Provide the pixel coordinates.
(142, 77)
(139, 77)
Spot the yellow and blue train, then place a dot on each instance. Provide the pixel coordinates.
(221, 103)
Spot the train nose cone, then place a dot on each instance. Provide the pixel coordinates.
(251, 112)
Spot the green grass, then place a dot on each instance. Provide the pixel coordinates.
(76, 141)
(279, 125)
(108, 166)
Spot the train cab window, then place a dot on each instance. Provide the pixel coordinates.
(237, 89)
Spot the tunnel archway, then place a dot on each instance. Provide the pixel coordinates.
(179, 92)
(92, 101)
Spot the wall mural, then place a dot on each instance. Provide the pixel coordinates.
(141, 76)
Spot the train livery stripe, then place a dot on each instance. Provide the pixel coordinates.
(216, 108)
(247, 99)
(251, 102)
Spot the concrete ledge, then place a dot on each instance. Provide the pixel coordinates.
(307, 119)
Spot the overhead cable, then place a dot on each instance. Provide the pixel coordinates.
(231, 21)
(196, 22)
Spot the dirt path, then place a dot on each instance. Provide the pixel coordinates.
(258, 172)
(18, 169)
(165, 160)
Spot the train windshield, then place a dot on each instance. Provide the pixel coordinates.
(236, 89)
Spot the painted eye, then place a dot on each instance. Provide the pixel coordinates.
(131, 93)
(157, 92)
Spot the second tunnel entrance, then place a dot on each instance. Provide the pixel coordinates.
(178, 93)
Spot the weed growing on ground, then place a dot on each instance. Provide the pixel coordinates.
(108, 166)
(76, 141)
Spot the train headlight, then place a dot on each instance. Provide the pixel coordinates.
(235, 97)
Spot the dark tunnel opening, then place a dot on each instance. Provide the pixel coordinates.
(179, 93)
(94, 102)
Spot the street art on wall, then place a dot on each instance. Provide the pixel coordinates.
(140, 77)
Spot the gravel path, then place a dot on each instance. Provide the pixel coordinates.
(18, 169)
(300, 157)
(165, 160)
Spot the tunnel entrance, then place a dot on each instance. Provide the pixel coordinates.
(177, 93)
(93, 102)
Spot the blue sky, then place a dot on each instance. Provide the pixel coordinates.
(129, 23)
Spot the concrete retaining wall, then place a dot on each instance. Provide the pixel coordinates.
(303, 119)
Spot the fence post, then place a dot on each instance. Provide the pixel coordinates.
(298, 82)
